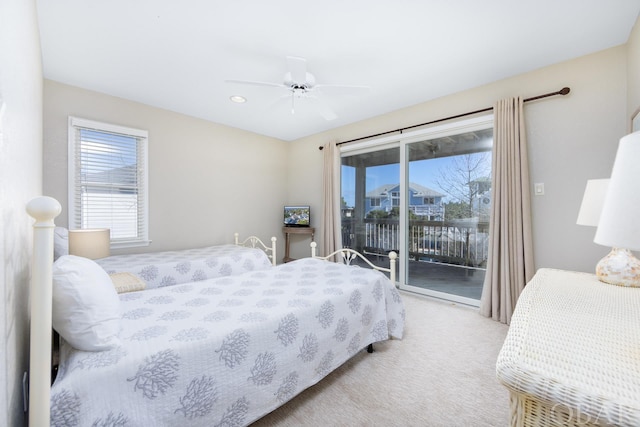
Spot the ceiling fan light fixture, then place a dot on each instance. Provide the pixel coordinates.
(238, 99)
(301, 88)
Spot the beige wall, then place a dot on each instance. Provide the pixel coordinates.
(571, 139)
(20, 181)
(206, 181)
(633, 70)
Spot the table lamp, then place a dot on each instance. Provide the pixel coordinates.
(619, 225)
(92, 243)
(592, 202)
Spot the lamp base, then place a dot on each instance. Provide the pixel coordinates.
(620, 268)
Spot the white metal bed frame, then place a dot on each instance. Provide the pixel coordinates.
(349, 255)
(253, 241)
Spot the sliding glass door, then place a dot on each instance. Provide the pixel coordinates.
(427, 196)
(370, 202)
(449, 203)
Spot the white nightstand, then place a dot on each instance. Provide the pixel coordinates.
(572, 353)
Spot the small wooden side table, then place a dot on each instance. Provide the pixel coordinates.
(294, 230)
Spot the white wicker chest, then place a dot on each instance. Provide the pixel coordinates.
(572, 353)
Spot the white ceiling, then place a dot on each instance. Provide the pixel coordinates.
(177, 55)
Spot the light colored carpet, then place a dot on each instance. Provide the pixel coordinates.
(442, 373)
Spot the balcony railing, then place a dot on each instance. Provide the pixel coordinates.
(454, 242)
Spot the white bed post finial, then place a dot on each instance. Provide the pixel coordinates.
(236, 235)
(43, 210)
(313, 249)
(273, 251)
(392, 266)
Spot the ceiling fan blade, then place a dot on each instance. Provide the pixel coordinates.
(255, 83)
(328, 114)
(298, 69)
(280, 101)
(343, 89)
(323, 108)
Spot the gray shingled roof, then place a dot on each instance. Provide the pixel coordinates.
(419, 190)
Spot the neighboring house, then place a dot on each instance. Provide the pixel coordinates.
(124, 178)
(423, 201)
(482, 198)
(347, 211)
(115, 190)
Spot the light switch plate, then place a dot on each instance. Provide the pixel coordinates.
(538, 189)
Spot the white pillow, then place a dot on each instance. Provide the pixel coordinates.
(86, 307)
(60, 242)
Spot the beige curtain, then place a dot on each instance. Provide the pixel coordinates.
(510, 262)
(332, 235)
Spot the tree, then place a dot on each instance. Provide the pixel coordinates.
(464, 180)
(378, 213)
(456, 210)
(394, 213)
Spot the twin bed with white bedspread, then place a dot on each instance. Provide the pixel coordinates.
(226, 351)
(224, 348)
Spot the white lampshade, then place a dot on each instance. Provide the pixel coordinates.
(592, 202)
(90, 243)
(619, 225)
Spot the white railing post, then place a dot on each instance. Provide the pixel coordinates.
(43, 210)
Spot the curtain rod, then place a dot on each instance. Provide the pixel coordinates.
(563, 91)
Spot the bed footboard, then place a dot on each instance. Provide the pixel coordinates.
(348, 255)
(253, 242)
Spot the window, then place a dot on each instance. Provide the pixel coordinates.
(395, 198)
(375, 201)
(108, 181)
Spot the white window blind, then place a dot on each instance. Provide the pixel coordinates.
(108, 180)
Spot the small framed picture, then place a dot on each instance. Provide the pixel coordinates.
(635, 121)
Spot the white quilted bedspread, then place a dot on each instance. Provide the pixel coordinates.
(166, 268)
(226, 351)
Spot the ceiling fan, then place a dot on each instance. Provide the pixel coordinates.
(301, 85)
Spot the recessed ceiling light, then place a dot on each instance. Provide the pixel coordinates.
(237, 98)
